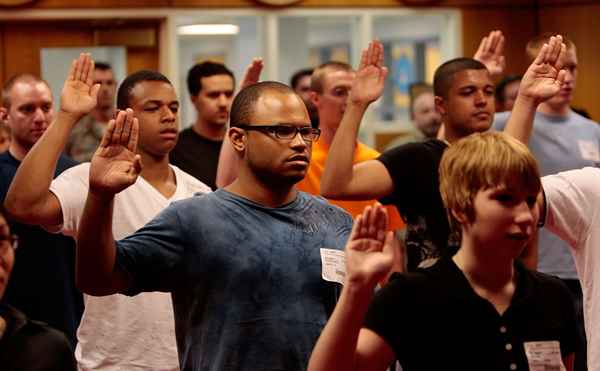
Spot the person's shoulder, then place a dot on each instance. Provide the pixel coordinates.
(191, 184)
(186, 135)
(543, 284)
(65, 162)
(576, 117)
(328, 209)
(366, 151)
(7, 160)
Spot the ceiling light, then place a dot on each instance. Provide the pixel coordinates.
(208, 29)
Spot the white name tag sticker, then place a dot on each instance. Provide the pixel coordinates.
(333, 264)
(589, 150)
(544, 356)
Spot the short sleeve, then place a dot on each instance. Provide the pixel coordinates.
(153, 257)
(572, 199)
(71, 189)
(413, 168)
(386, 313)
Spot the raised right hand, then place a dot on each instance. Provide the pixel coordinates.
(79, 93)
(115, 165)
(370, 249)
(371, 74)
(491, 53)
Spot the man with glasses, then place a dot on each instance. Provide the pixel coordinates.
(26, 344)
(252, 268)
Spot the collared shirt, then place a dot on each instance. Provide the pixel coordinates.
(434, 320)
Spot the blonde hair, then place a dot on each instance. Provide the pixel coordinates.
(318, 76)
(482, 161)
(534, 45)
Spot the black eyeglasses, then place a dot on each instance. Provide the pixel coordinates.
(7, 241)
(282, 131)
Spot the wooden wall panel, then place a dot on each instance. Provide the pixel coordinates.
(518, 25)
(20, 45)
(2, 54)
(581, 24)
(23, 41)
(88, 4)
(142, 59)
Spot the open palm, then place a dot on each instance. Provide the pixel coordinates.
(115, 165)
(491, 53)
(369, 251)
(370, 77)
(544, 77)
(79, 92)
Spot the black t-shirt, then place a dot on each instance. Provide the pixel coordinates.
(413, 168)
(32, 345)
(197, 156)
(434, 320)
(42, 283)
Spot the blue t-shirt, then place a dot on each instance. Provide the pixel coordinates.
(245, 279)
(559, 143)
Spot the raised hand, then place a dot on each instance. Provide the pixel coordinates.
(252, 74)
(115, 165)
(370, 249)
(491, 53)
(79, 92)
(545, 76)
(370, 77)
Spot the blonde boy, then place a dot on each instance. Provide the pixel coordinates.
(478, 310)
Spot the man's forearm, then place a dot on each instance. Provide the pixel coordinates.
(32, 181)
(337, 175)
(520, 122)
(96, 250)
(336, 347)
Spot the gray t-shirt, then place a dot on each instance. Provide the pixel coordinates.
(245, 279)
(559, 143)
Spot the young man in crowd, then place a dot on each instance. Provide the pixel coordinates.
(26, 344)
(508, 318)
(42, 284)
(244, 264)
(408, 175)
(88, 132)
(211, 86)
(116, 332)
(561, 140)
(331, 83)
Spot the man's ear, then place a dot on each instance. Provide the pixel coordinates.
(440, 105)
(315, 98)
(237, 138)
(4, 115)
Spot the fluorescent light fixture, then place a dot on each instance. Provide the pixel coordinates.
(208, 29)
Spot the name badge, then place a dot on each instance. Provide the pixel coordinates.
(333, 264)
(544, 356)
(589, 150)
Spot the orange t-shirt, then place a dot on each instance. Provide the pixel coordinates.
(312, 181)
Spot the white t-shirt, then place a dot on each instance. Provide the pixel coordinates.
(119, 332)
(573, 213)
